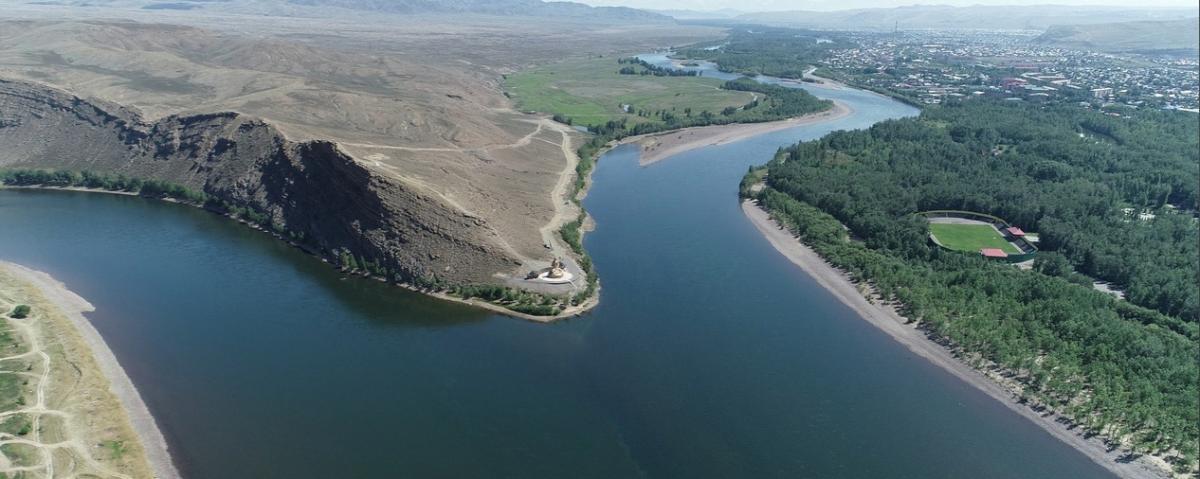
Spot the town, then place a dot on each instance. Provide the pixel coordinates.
(930, 67)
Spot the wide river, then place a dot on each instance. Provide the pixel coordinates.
(710, 355)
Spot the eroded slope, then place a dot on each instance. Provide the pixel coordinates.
(310, 189)
(402, 120)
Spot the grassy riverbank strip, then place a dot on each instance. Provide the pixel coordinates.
(659, 146)
(72, 397)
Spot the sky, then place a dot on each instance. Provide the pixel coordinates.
(777, 5)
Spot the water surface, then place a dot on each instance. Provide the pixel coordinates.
(710, 355)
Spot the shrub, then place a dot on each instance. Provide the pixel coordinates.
(20, 312)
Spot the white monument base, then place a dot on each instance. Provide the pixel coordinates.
(544, 277)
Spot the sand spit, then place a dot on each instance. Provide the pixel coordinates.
(890, 322)
(72, 307)
(659, 146)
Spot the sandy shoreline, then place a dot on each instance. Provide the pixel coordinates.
(658, 146)
(890, 322)
(73, 306)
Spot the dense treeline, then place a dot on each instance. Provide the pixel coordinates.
(780, 52)
(652, 69)
(776, 103)
(1115, 196)
(781, 102)
(1070, 174)
(142, 187)
(87, 179)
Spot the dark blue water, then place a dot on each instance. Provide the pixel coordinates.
(710, 355)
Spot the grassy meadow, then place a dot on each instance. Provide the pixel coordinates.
(591, 92)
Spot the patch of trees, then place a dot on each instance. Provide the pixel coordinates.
(780, 102)
(146, 188)
(1125, 369)
(20, 312)
(781, 52)
(776, 103)
(514, 299)
(652, 69)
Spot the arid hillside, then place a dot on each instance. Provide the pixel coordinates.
(1151, 37)
(470, 189)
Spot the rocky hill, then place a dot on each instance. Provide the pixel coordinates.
(383, 134)
(310, 189)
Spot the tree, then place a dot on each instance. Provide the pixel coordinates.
(20, 312)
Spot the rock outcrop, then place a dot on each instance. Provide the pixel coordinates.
(310, 189)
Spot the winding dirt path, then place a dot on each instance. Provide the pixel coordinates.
(28, 330)
(564, 211)
(524, 141)
(75, 380)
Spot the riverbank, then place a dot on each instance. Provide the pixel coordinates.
(658, 146)
(836, 84)
(100, 415)
(991, 382)
(655, 147)
(567, 312)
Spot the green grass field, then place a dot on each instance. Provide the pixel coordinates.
(591, 92)
(970, 237)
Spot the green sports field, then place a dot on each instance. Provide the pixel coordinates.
(591, 92)
(970, 237)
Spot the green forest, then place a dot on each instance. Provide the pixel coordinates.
(781, 52)
(1113, 198)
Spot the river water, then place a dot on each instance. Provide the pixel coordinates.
(710, 355)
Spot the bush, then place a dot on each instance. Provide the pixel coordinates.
(20, 312)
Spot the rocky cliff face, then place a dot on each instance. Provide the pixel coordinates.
(311, 189)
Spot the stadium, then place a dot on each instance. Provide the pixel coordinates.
(980, 233)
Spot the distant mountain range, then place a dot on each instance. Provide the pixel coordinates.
(1032, 17)
(1172, 36)
(724, 13)
(533, 8)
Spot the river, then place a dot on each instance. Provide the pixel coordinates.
(710, 355)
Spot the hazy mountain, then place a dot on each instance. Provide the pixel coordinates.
(307, 8)
(536, 8)
(1173, 36)
(724, 13)
(1033, 17)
